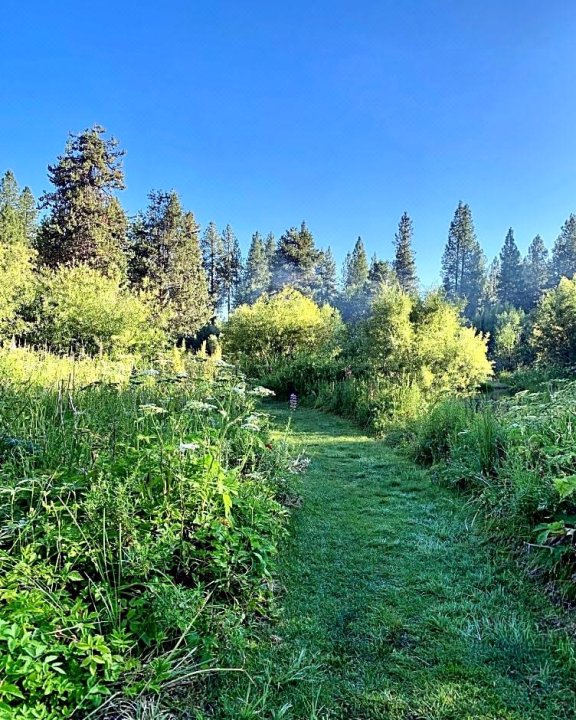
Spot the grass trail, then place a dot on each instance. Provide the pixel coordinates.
(396, 606)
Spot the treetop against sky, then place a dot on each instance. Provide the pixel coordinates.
(345, 114)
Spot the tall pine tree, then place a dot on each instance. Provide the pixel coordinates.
(563, 262)
(404, 263)
(295, 261)
(230, 269)
(256, 275)
(270, 249)
(213, 252)
(85, 223)
(356, 269)
(535, 273)
(166, 259)
(327, 280)
(463, 262)
(510, 277)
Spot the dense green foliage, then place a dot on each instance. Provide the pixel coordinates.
(137, 536)
(166, 260)
(403, 355)
(85, 223)
(84, 311)
(282, 326)
(516, 458)
(554, 329)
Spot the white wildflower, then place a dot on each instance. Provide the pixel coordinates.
(250, 426)
(151, 372)
(262, 392)
(199, 405)
(239, 389)
(191, 446)
(149, 409)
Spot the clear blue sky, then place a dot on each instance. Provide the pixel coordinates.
(342, 113)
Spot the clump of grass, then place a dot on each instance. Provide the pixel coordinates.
(517, 458)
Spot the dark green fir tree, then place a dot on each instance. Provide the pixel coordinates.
(230, 270)
(85, 222)
(213, 252)
(256, 274)
(563, 262)
(166, 260)
(356, 269)
(463, 262)
(510, 277)
(404, 262)
(535, 273)
(327, 278)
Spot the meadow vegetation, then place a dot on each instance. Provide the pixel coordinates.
(139, 527)
(384, 368)
(145, 493)
(516, 459)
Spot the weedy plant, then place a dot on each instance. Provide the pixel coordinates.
(139, 523)
(517, 457)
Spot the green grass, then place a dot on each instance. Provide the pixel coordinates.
(396, 606)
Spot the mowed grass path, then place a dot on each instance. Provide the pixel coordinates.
(397, 606)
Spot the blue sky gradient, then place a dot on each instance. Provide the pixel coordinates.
(345, 114)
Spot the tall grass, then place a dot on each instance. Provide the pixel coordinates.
(517, 458)
(139, 521)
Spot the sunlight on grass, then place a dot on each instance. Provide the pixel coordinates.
(406, 610)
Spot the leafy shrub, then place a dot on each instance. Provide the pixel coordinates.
(83, 310)
(280, 326)
(408, 354)
(508, 338)
(554, 326)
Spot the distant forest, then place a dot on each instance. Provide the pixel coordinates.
(184, 277)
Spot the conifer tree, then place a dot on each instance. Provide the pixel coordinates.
(535, 273)
(9, 192)
(381, 273)
(463, 262)
(213, 251)
(28, 213)
(22, 204)
(404, 263)
(85, 223)
(256, 275)
(230, 269)
(270, 249)
(295, 261)
(327, 280)
(510, 276)
(564, 252)
(484, 319)
(356, 269)
(16, 258)
(166, 259)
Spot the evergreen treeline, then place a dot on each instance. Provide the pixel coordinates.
(183, 276)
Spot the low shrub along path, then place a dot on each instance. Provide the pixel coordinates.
(397, 606)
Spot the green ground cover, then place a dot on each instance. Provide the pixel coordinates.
(396, 604)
